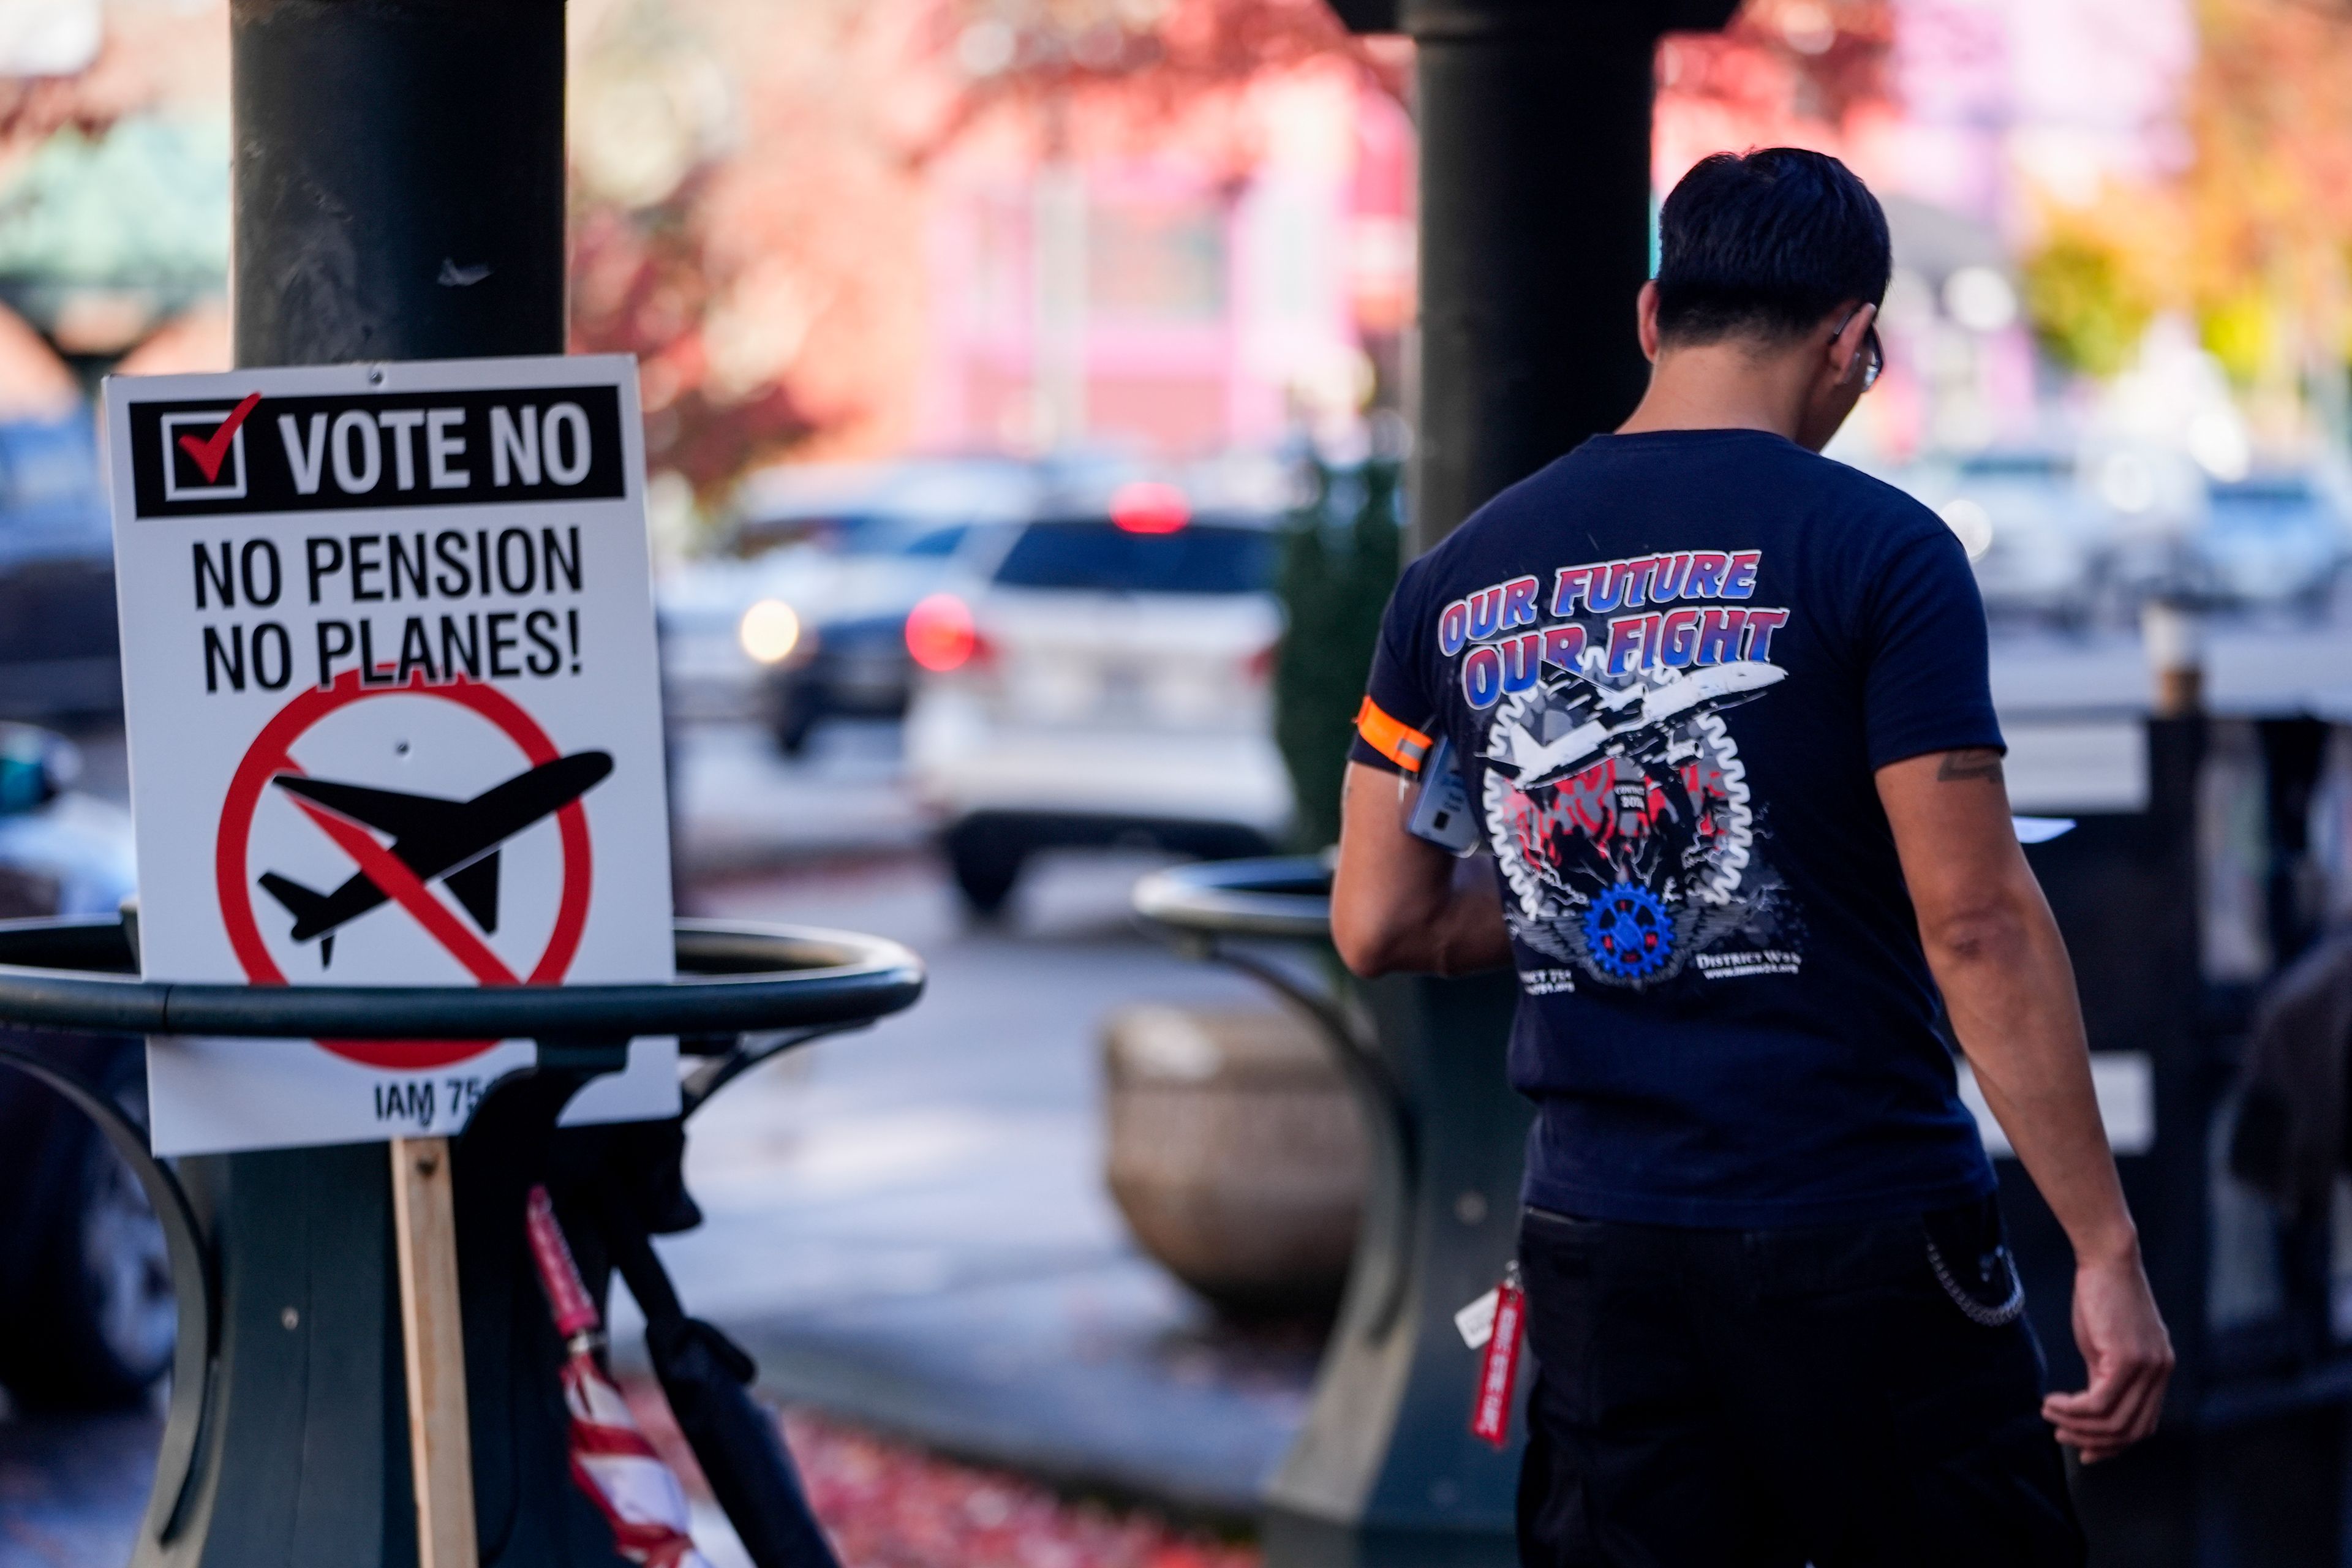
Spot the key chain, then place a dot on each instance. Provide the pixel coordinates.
(1498, 1369)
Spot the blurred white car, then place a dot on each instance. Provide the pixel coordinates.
(1103, 677)
(2153, 497)
(2037, 537)
(2276, 539)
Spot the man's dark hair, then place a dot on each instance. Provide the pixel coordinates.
(1766, 243)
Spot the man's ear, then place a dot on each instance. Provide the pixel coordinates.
(1645, 317)
(1845, 348)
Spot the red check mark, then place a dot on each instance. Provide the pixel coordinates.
(209, 455)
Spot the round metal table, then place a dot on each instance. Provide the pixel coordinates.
(744, 993)
(1385, 1470)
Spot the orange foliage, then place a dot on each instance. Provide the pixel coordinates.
(745, 223)
(2267, 202)
(1806, 73)
(642, 284)
(173, 57)
(773, 290)
(2253, 236)
(1136, 65)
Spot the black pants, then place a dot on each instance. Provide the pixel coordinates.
(1768, 1399)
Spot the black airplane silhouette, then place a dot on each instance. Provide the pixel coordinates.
(456, 841)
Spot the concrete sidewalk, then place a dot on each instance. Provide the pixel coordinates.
(908, 1227)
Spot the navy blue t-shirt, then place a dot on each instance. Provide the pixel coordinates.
(1669, 665)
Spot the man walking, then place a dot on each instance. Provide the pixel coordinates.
(1721, 707)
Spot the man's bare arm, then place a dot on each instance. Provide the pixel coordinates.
(1399, 903)
(2010, 990)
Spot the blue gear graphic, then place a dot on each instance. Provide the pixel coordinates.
(1627, 932)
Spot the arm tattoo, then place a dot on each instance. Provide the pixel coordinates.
(1966, 767)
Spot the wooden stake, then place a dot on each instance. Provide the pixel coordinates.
(432, 1334)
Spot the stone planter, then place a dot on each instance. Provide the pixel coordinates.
(1236, 1152)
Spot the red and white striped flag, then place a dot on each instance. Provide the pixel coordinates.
(610, 1456)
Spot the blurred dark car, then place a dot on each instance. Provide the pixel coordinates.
(848, 659)
(800, 615)
(87, 1317)
(58, 654)
(797, 617)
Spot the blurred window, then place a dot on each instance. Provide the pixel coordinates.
(2264, 499)
(1098, 556)
(2016, 466)
(938, 541)
(999, 279)
(1155, 262)
(850, 533)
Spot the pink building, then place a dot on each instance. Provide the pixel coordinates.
(1988, 116)
(1206, 282)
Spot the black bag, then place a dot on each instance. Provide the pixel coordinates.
(706, 1377)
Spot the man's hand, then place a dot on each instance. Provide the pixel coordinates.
(2010, 991)
(2129, 1354)
(1399, 903)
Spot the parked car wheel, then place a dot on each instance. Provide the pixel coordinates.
(986, 867)
(95, 1325)
(795, 720)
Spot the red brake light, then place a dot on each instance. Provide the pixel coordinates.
(940, 635)
(1149, 507)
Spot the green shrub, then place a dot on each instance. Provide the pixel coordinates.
(1339, 561)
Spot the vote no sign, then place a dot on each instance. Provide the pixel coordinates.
(390, 677)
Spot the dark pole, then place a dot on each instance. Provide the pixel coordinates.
(1534, 232)
(399, 179)
(1535, 225)
(1535, 191)
(398, 190)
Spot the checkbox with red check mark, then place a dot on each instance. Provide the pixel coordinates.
(209, 452)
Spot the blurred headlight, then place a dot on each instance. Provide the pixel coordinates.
(770, 630)
(1971, 522)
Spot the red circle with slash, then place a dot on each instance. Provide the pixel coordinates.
(269, 756)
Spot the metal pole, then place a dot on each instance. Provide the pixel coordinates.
(1535, 233)
(398, 191)
(399, 179)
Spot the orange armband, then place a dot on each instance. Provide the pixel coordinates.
(1398, 742)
